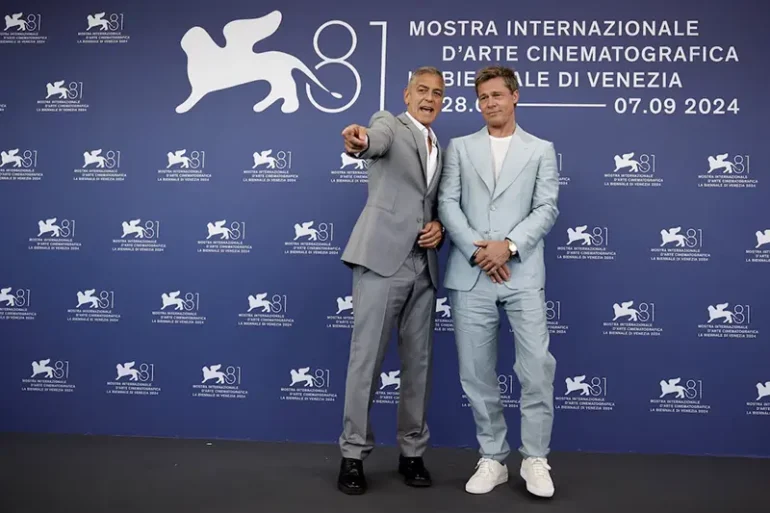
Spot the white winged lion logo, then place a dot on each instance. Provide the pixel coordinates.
(211, 67)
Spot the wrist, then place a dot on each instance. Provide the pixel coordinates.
(511, 248)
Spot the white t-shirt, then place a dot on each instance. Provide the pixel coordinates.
(499, 149)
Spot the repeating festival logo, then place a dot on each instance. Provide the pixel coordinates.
(133, 379)
(264, 311)
(634, 170)
(760, 405)
(553, 318)
(586, 243)
(23, 28)
(390, 385)
(212, 69)
(726, 321)
(103, 28)
(564, 179)
(726, 170)
(686, 398)
(306, 384)
(760, 252)
(185, 166)
(16, 304)
(176, 309)
(582, 393)
(139, 236)
(311, 238)
(54, 234)
(220, 381)
(444, 323)
(17, 164)
(351, 170)
(100, 165)
(506, 384)
(94, 306)
(48, 376)
(343, 315)
(676, 245)
(225, 236)
(270, 166)
(62, 96)
(632, 318)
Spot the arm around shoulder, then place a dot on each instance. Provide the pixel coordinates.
(533, 228)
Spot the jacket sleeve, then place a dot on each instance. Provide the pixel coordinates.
(544, 210)
(450, 210)
(379, 135)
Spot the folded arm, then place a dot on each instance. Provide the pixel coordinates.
(544, 211)
(450, 211)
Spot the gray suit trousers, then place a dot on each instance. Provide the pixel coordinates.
(406, 300)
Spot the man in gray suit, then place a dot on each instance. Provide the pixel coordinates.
(497, 200)
(392, 252)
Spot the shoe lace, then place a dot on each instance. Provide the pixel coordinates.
(484, 466)
(540, 467)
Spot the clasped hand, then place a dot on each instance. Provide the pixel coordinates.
(491, 257)
(430, 235)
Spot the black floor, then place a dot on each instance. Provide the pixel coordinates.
(59, 474)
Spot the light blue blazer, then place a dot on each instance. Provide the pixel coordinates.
(522, 206)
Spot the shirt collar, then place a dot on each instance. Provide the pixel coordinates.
(424, 130)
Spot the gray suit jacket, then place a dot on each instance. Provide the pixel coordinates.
(520, 206)
(400, 202)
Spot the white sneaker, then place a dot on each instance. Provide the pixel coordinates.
(489, 473)
(535, 473)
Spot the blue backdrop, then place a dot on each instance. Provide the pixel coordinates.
(159, 274)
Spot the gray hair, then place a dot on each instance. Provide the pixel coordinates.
(425, 70)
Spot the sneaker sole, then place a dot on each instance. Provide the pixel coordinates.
(501, 480)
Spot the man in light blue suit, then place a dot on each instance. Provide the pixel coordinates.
(497, 201)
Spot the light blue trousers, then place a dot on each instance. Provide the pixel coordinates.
(476, 319)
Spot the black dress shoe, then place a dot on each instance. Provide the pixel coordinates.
(351, 479)
(414, 471)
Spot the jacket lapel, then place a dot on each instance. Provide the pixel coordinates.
(518, 154)
(421, 149)
(479, 151)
